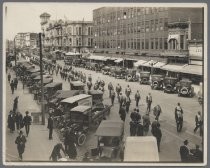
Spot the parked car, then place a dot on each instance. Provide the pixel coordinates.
(120, 73)
(112, 71)
(131, 76)
(169, 85)
(77, 85)
(51, 88)
(106, 70)
(184, 88)
(144, 77)
(157, 82)
(97, 96)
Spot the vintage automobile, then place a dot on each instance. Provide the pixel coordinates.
(77, 85)
(93, 66)
(184, 88)
(110, 135)
(106, 70)
(120, 73)
(134, 154)
(51, 88)
(169, 85)
(97, 96)
(86, 117)
(77, 62)
(131, 76)
(112, 71)
(144, 77)
(157, 81)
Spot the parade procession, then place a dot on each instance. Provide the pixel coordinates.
(125, 86)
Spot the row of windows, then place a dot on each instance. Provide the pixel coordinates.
(134, 44)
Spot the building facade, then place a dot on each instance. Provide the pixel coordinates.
(76, 36)
(146, 31)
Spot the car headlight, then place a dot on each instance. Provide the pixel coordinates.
(164, 87)
(174, 87)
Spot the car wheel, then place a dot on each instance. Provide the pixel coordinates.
(81, 139)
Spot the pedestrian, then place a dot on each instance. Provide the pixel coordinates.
(121, 99)
(122, 112)
(184, 152)
(19, 120)
(133, 114)
(71, 150)
(15, 104)
(56, 152)
(137, 115)
(156, 111)
(50, 126)
(149, 102)
(155, 124)
(197, 154)
(27, 122)
(110, 88)
(139, 129)
(179, 117)
(20, 141)
(127, 103)
(198, 122)
(15, 83)
(133, 126)
(146, 123)
(118, 90)
(12, 86)
(137, 98)
(9, 77)
(90, 78)
(112, 96)
(128, 91)
(11, 121)
(157, 133)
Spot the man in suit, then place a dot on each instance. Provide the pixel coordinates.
(20, 141)
(179, 117)
(27, 122)
(50, 126)
(198, 122)
(184, 152)
(149, 102)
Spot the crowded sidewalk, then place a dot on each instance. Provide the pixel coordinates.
(38, 146)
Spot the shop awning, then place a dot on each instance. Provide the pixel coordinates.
(139, 63)
(192, 69)
(159, 64)
(173, 67)
(149, 63)
(96, 57)
(118, 60)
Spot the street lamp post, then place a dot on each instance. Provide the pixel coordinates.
(41, 75)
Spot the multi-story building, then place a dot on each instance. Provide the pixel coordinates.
(142, 31)
(67, 35)
(20, 41)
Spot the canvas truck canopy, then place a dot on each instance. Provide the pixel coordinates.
(81, 109)
(141, 149)
(77, 98)
(77, 83)
(53, 84)
(110, 128)
(63, 94)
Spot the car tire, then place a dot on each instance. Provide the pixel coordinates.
(81, 139)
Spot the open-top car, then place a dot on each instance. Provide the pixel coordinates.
(110, 135)
(144, 77)
(157, 81)
(185, 88)
(169, 85)
(131, 75)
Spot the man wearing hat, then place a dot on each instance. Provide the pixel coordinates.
(50, 126)
(184, 152)
(20, 141)
(27, 122)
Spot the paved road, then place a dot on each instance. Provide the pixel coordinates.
(171, 140)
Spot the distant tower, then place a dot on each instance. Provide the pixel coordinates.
(45, 17)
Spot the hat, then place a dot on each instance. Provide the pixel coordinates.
(27, 112)
(137, 110)
(21, 132)
(197, 146)
(186, 142)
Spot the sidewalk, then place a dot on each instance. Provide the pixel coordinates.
(38, 147)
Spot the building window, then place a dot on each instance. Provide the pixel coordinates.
(138, 44)
(142, 45)
(161, 43)
(165, 44)
(146, 44)
(156, 43)
(181, 42)
(152, 43)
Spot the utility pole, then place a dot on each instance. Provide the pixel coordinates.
(41, 75)
(15, 52)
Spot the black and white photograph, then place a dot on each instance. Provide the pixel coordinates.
(109, 84)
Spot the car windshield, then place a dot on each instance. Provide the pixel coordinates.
(169, 81)
(109, 141)
(185, 83)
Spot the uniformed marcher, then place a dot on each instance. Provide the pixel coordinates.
(128, 91)
(156, 111)
(149, 102)
(137, 98)
(179, 117)
(133, 126)
(89, 85)
(112, 96)
(122, 112)
(139, 129)
(110, 88)
(118, 90)
(121, 99)
(20, 141)
(27, 122)
(127, 103)
(133, 115)
(146, 123)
